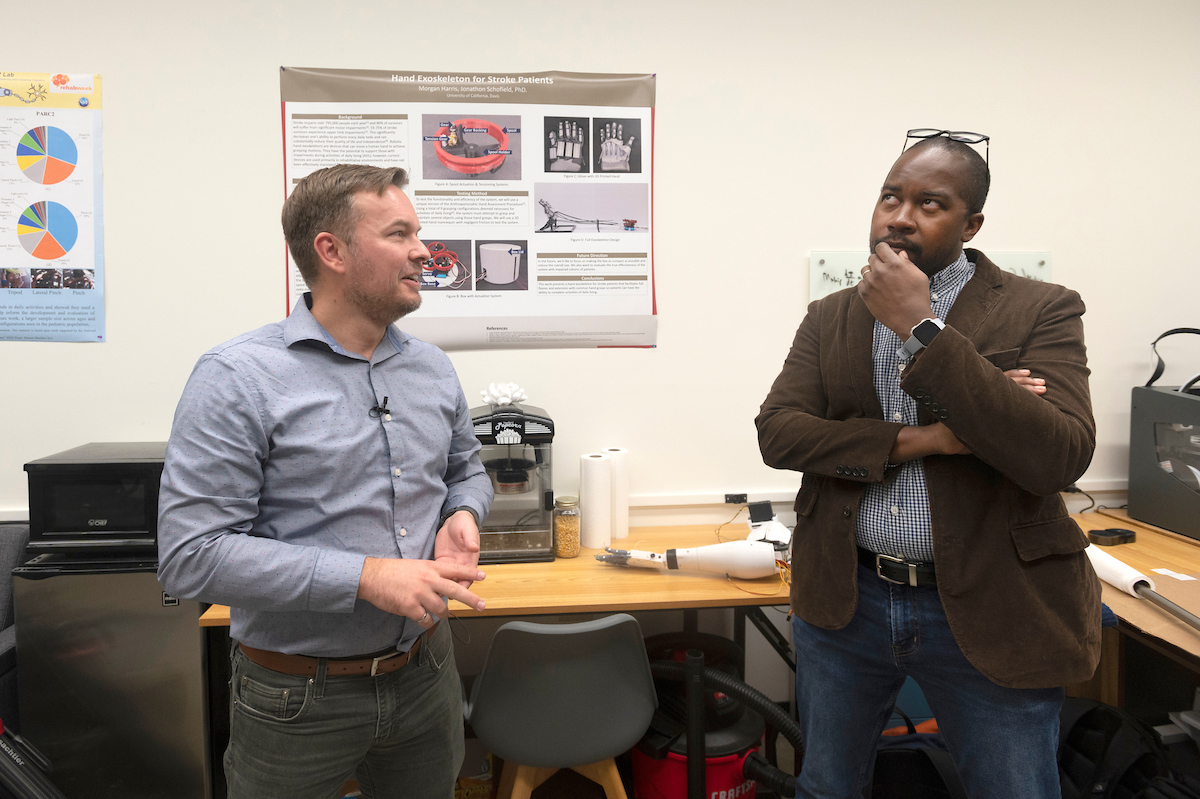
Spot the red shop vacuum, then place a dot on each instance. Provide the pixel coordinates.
(732, 724)
(23, 769)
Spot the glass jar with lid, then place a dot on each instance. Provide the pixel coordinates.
(566, 527)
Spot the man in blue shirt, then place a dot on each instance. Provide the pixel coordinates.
(323, 480)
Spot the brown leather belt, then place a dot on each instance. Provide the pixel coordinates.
(305, 666)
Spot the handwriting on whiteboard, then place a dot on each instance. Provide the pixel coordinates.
(831, 271)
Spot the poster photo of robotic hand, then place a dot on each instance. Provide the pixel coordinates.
(533, 191)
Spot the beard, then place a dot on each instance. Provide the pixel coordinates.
(914, 252)
(382, 310)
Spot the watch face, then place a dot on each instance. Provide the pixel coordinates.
(925, 332)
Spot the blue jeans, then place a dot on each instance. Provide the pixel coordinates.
(1004, 740)
(400, 734)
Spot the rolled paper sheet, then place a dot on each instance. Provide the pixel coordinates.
(1116, 573)
(595, 500)
(619, 463)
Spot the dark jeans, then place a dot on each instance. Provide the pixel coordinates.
(1004, 740)
(400, 734)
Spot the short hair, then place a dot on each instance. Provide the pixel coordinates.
(977, 178)
(323, 202)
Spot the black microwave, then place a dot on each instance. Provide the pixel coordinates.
(97, 497)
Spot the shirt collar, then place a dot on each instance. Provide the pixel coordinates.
(954, 274)
(301, 325)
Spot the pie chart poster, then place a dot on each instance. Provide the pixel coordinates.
(51, 232)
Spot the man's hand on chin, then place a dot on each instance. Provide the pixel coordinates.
(895, 290)
(458, 542)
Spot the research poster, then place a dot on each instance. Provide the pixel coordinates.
(51, 225)
(534, 192)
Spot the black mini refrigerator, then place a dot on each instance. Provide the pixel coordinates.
(111, 670)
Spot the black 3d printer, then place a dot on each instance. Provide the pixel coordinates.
(516, 454)
(1164, 451)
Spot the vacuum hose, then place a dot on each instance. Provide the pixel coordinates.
(755, 766)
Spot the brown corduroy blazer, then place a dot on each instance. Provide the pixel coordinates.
(1020, 595)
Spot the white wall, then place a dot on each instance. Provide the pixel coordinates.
(776, 122)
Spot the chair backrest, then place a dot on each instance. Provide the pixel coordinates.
(13, 538)
(561, 695)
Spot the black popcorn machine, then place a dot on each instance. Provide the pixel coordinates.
(516, 454)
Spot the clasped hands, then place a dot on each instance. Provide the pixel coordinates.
(420, 589)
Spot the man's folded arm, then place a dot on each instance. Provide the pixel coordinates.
(1044, 442)
(793, 432)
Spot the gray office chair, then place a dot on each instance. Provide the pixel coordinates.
(554, 696)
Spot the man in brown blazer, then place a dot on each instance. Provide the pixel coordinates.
(936, 410)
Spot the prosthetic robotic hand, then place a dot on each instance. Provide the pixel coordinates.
(614, 152)
(755, 557)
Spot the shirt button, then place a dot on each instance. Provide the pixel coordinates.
(403, 532)
(934, 296)
(896, 416)
(397, 472)
(895, 511)
(387, 417)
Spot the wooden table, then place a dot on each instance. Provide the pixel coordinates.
(1142, 620)
(585, 585)
(1154, 548)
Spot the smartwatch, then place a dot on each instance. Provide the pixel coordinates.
(922, 336)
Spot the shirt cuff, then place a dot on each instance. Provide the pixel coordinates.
(335, 580)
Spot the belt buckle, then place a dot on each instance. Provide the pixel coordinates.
(912, 569)
(376, 661)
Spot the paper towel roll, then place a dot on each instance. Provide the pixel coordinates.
(595, 500)
(619, 463)
(1116, 573)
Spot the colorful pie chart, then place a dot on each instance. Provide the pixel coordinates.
(47, 155)
(47, 230)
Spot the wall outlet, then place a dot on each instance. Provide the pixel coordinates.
(735, 499)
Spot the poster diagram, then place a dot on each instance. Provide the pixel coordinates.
(47, 230)
(47, 155)
(51, 231)
(533, 192)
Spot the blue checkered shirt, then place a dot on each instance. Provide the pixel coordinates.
(893, 517)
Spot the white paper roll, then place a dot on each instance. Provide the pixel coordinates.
(619, 460)
(595, 500)
(1116, 573)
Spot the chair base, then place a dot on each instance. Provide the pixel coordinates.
(519, 782)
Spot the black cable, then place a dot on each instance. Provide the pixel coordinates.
(1074, 489)
(772, 713)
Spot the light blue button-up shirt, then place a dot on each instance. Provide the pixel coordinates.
(279, 481)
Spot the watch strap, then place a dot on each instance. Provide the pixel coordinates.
(455, 510)
(914, 345)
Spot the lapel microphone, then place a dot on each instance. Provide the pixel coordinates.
(378, 410)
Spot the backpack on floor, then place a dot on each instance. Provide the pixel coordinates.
(915, 765)
(1104, 753)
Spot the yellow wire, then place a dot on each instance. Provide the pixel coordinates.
(739, 510)
(758, 593)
